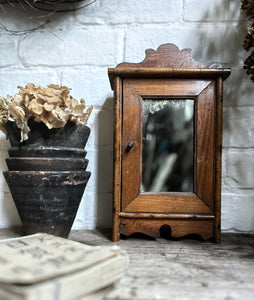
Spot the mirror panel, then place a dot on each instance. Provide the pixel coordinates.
(167, 145)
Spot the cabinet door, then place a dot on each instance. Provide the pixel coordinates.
(198, 195)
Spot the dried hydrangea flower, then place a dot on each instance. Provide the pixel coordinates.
(53, 105)
(4, 112)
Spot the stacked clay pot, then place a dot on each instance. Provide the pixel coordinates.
(47, 175)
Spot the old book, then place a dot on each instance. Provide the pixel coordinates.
(46, 267)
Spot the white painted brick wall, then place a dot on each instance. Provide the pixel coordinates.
(69, 48)
(76, 48)
(211, 11)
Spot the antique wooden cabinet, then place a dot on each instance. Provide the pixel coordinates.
(167, 145)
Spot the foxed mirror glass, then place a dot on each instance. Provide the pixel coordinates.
(167, 145)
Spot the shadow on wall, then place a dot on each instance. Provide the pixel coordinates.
(104, 189)
(8, 212)
(223, 44)
(226, 43)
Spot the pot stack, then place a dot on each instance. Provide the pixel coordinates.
(47, 175)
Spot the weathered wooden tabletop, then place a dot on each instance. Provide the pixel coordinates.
(179, 269)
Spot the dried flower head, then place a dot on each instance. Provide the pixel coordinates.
(4, 112)
(53, 105)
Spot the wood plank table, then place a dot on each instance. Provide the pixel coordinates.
(177, 269)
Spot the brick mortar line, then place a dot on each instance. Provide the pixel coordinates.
(107, 26)
(240, 105)
(76, 66)
(79, 67)
(237, 148)
(47, 66)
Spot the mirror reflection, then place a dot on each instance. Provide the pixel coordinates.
(167, 146)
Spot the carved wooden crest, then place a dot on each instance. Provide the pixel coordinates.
(168, 61)
(166, 56)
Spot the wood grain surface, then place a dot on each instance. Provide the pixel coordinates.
(167, 55)
(204, 154)
(176, 228)
(182, 269)
(218, 154)
(117, 158)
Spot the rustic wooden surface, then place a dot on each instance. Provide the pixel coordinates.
(167, 55)
(42, 151)
(117, 158)
(47, 201)
(204, 148)
(131, 158)
(46, 164)
(166, 62)
(176, 227)
(178, 269)
(218, 152)
(72, 133)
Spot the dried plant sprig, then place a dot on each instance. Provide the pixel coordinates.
(4, 113)
(248, 44)
(248, 7)
(53, 105)
(249, 65)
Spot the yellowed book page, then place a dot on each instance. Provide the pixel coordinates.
(36, 258)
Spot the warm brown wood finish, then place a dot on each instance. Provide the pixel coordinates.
(204, 128)
(218, 152)
(167, 73)
(131, 158)
(167, 55)
(117, 157)
(166, 216)
(179, 227)
(152, 73)
(167, 202)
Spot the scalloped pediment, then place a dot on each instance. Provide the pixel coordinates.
(166, 56)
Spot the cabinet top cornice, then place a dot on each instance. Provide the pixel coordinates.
(168, 61)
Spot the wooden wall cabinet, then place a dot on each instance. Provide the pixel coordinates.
(167, 74)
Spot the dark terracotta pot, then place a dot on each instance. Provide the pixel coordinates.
(71, 135)
(47, 201)
(43, 151)
(46, 164)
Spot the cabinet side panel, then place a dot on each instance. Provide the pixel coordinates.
(117, 157)
(205, 146)
(218, 153)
